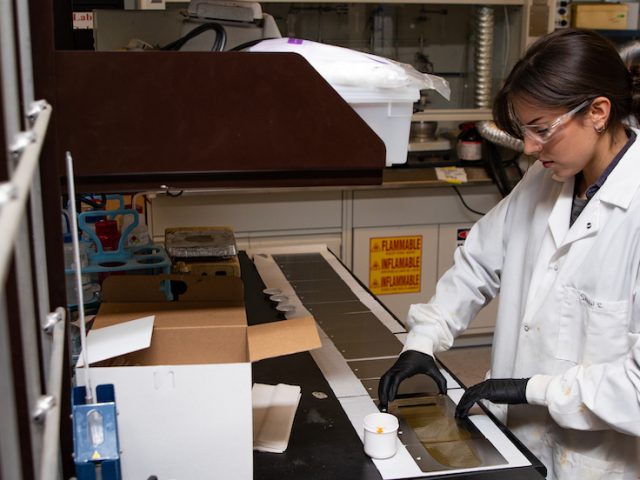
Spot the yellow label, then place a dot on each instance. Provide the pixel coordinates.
(96, 455)
(395, 264)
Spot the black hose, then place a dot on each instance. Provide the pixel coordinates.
(218, 44)
(249, 44)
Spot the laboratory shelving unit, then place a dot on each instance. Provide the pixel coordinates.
(32, 333)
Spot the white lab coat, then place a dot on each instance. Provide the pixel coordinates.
(569, 317)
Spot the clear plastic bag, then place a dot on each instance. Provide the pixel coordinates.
(344, 67)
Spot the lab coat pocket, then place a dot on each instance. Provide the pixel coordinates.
(607, 332)
(592, 330)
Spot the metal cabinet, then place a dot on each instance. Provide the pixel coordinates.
(436, 216)
(422, 273)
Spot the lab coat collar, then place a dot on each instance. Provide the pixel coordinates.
(619, 189)
(624, 181)
(561, 212)
(588, 223)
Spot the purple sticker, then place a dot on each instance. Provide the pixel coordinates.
(295, 41)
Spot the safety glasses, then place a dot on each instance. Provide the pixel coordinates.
(543, 132)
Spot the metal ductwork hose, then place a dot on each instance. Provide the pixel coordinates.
(629, 52)
(490, 131)
(484, 56)
(484, 77)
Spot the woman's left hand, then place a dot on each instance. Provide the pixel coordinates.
(496, 390)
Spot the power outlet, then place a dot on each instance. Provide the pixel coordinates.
(563, 14)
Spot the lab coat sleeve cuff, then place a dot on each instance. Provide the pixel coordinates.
(420, 343)
(537, 389)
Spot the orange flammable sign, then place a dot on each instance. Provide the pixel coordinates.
(395, 264)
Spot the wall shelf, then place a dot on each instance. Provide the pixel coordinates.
(457, 115)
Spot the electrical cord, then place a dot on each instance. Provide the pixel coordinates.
(218, 44)
(455, 189)
(496, 168)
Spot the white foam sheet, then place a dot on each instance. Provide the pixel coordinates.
(274, 408)
(349, 390)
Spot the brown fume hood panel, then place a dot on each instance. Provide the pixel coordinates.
(197, 119)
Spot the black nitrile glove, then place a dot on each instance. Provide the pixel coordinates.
(409, 363)
(496, 390)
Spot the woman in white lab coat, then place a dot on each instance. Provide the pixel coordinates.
(563, 251)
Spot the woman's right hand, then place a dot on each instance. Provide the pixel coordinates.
(409, 363)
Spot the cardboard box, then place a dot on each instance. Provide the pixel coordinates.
(184, 402)
(607, 16)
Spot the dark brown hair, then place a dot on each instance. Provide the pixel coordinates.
(563, 69)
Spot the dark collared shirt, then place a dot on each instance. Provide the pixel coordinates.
(580, 203)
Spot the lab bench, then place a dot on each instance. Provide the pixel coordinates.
(323, 442)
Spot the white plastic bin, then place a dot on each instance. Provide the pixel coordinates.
(380, 90)
(387, 112)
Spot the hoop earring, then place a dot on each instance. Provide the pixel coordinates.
(599, 130)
